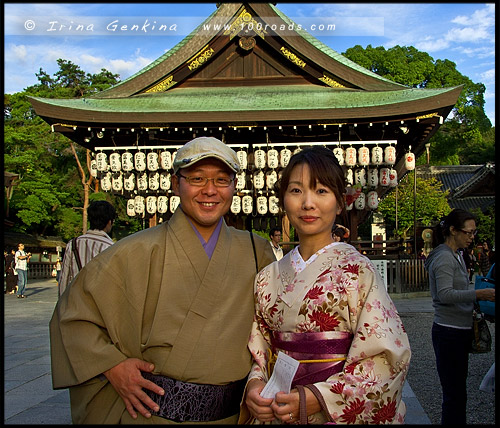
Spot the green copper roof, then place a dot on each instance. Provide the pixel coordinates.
(247, 98)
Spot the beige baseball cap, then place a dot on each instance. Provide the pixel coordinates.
(202, 148)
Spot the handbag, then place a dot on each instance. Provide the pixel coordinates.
(302, 404)
(481, 336)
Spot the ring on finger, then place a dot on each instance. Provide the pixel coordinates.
(291, 416)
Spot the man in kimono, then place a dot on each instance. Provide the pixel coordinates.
(155, 328)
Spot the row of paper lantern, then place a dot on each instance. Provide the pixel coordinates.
(142, 181)
(154, 161)
(140, 205)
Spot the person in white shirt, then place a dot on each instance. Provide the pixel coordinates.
(101, 216)
(275, 235)
(22, 260)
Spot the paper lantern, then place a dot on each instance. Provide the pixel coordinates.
(274, 205)
(131, 207)
(152, 161)
(390, 155)
(129, 181)
(242, 159)
(350, 156)
(271, 179)
(236, 204)
(262, 205)
(285, 155)
(115, 163)
(349, 176)
(106, 182)
(165, 160)
(373, 177)
(273, 158)
(140, 161)
(102, 162)
(174, 203)
(360, 177)
(139, 204)
(410, 161)
(297, 150)
(93, 168)
(241, 178)
(360, 202)
(339, 154)
(162, 204)
(117, 181)
(153, 181)
(377, 155)
(363, 155)
(247, 204)
(384, 177)
(142, 181)
(372, 200)
(260, 158)
(151, 204)
(127, 161)
(174, 154)
(393, 178)
(259, 180)
(165, 181)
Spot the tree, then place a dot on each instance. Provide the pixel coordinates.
(52, 195)
(466, 135)
(432, 204)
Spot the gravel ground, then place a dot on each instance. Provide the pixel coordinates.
(424, 380)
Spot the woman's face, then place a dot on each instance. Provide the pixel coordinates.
(312, 212)
(465, 235)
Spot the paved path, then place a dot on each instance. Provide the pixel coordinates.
(28, 394)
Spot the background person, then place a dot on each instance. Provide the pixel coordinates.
(165, 312)
(10, 273)
(453, 303)
(275, 235)
(325, 305)
(22, 258)
(101, 215)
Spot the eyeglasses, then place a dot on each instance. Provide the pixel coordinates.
(469, 233)
(199, 181)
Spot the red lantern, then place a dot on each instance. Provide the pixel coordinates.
(393, 178)
(372, 200)
(350, 156)
(364, 155)
(384, 177)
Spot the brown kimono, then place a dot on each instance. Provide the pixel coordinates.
(156, 296)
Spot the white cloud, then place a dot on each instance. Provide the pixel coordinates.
(488, 76)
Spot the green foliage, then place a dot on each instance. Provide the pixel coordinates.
(485, 224)
(431, 203)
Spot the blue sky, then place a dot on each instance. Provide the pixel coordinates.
(93, 36)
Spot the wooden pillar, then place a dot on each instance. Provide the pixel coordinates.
(285, 228)
(153, 221)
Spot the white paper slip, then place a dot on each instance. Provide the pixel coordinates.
(283, 373)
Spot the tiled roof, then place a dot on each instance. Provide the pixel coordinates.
(329, 51)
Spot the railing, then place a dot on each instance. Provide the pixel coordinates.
(38, 270)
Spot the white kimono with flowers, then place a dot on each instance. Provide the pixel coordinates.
(337, 289)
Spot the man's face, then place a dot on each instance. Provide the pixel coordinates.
(205, 205)
(276, 238)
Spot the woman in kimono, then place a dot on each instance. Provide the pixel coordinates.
(325, 305)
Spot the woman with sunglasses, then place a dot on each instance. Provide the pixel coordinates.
(453, 303)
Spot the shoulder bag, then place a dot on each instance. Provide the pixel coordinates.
(481, 336)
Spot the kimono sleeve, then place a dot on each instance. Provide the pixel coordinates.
(369, 388)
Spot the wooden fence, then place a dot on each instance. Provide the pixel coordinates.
(402, 275)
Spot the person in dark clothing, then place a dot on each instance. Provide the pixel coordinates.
(10, 273)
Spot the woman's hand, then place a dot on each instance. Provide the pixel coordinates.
(259, 407)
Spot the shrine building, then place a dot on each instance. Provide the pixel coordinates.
(266, 88)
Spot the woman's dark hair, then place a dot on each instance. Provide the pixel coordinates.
(455, 219)
(324, 168)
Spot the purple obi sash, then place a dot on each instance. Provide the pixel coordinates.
(312, 346)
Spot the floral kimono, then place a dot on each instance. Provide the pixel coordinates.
(337, 305)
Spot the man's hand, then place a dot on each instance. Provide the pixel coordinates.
(260, 408)
(128, 382)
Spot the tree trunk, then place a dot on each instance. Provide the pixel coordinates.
(86, 185)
